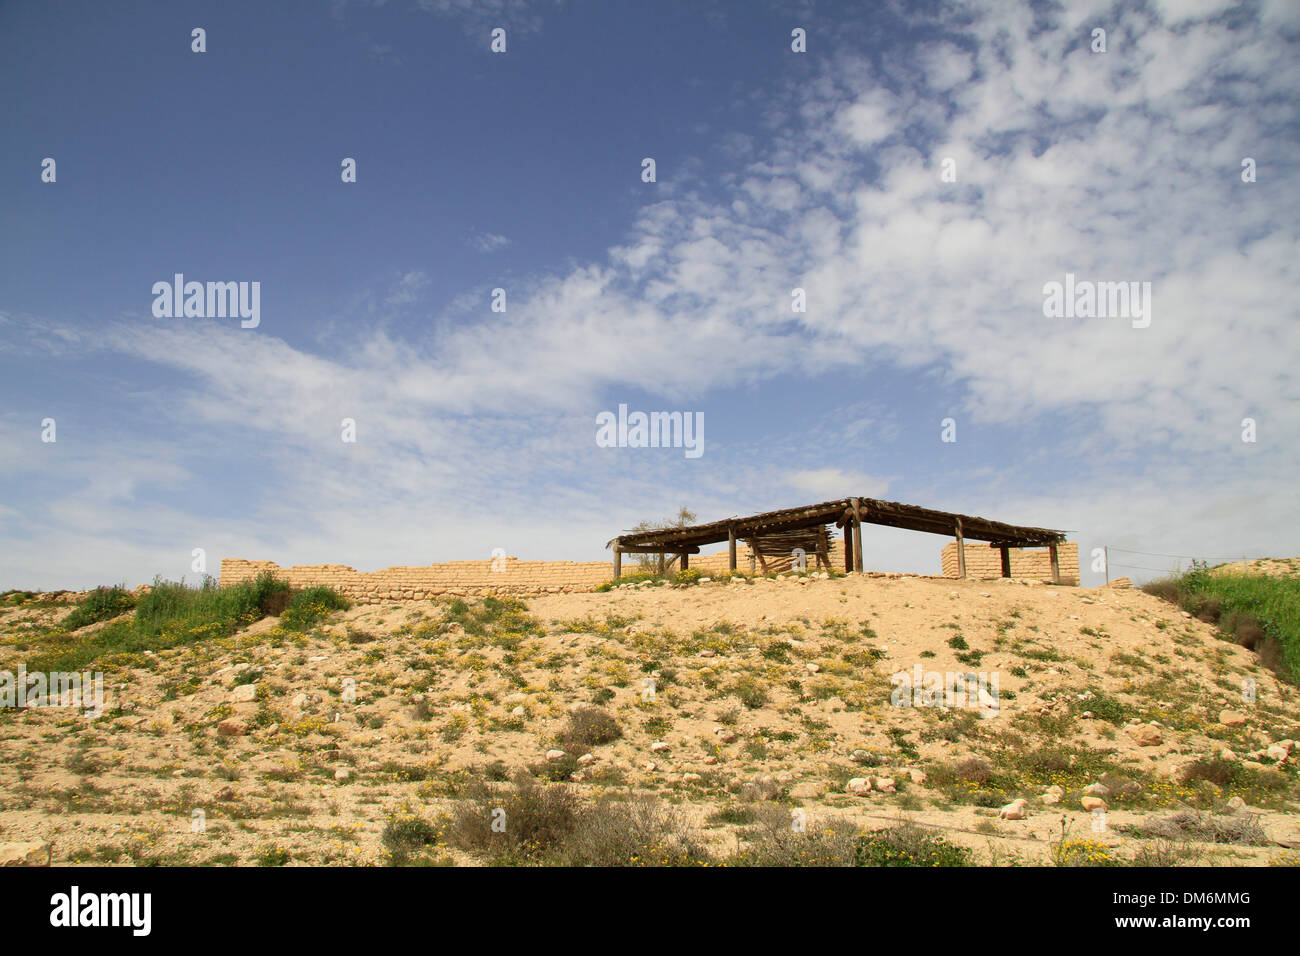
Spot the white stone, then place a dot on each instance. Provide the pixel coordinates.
(1015, 810)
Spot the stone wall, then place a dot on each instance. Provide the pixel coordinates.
(524, 578)
(461, 578)
(985, 562)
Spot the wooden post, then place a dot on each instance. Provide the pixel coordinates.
(1056, 564)
(1006, 561)
(686, 561)
(848, 546)
(618, 562)
(961, 552)
(731, 549)
(857, 536)
(823, 549)
(661, 562)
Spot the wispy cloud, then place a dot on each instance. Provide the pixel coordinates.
(1115, 166)
(487, 241)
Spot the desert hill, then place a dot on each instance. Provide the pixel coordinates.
(1131, 730)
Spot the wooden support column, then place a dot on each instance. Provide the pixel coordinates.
(1006, 561)
(823, 549)
(1056, 563)
(731, 549)
(961, 552)
(848, 546)
(857, 536)
(686, 561)
(661, 562)
(618, 562)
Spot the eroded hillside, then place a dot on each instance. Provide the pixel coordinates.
(1129, 729)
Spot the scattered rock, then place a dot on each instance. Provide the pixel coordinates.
(232, 727)
(586, 760)
(342, 775)
(1231, 718)
(858, 786)
(659, 746)
(244, 694)
(1015, 810)
(1092, 803)
(1145, 735)
(554, 755)
(25, 854)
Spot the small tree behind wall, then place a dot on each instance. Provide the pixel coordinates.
(650, 562)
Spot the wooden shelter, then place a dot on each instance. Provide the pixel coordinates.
(769, 532)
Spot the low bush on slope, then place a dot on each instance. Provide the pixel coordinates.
(173, 613)
(1259, 611)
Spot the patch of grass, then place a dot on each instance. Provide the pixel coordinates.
(494, 618)
(174, 614)
(272, 856)
(751, 692)
(588, 727)
(310, 606)
(1243, 829)
(780, 836)
(531, 823)
(908, 845)
(100, 604)
(1261, 612)
(406, 833)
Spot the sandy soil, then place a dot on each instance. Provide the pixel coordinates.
(727, 695)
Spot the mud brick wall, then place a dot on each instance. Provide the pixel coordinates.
(1034, 563)
(716, 563)
(458, 578)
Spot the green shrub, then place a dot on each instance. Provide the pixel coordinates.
(751, 692)
(1258, 611)
(311, 606)
(545, 824)
(588, 727)
(406, 833)
(173, 614)
(100, 604)
(908, 845)
(775, 840)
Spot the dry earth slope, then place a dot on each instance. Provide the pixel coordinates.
(273, 746)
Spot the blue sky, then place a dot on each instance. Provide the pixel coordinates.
(522, 170)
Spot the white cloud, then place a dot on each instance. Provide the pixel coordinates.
(407, 288)
(826, 484)
(1121, 166)
(488, 241)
